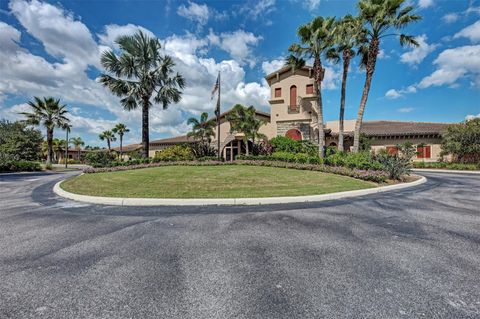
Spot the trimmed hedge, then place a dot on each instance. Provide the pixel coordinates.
(447, 165)
(366, 175)
(19, 166)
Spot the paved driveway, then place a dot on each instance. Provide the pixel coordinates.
(406, 254)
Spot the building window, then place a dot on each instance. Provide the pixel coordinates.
(293, 98)
(294, 134)
(424, 151)
(392, 150)
(309, 88)
(278, 92)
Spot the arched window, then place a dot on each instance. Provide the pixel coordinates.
(294, 134)
(293, 98)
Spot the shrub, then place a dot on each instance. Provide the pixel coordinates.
(175, 153)
(263, 148)
(100, 159)
(70, 161)
(286, 144)
(8, 165)
(203, 150)
(445, 165)
(361, 160)
(395, 165)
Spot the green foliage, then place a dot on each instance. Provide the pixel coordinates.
(70, 161)
(100, 159)
(175, 153)
(286, 144)
(361, 160)
(395, 165)
(365, 142)
(463, 141)
(446, 165)
(203, 129)
(18, 142)
(200, 149)
(244, 120)
(9, 165)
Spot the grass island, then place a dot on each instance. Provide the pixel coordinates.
(227, 181)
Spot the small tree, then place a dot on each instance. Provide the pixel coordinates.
(19, 142)
(49, 113)
(77, 143)
(463, 141)
(120, 129)
(109, 137)
(243, 120)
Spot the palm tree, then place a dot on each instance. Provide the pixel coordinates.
(77, 143)
(67, 128)
(243, 120)
(140, 72)
(57, 146)
(349, 33)
(120, 129)
(379, 18)
(109, 137)
(315, 39)
(202, 129)
(49, 113)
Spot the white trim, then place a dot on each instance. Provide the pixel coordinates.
(228, 201)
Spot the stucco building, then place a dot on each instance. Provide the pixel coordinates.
(293, 104)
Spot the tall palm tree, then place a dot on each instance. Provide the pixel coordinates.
(77, 143)
(67, 128)
(316, 38)
(109, 137)
(49, 113)
(139, 73)
(120, 129)
(382, 18)
(202, 129)
(243, 120)
(349, 33)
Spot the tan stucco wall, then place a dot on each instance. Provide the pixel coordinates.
(434, 143)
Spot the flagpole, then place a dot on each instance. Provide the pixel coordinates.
(218, 118)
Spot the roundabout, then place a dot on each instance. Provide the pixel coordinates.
(220, 185)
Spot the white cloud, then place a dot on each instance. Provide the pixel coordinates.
(312, 4)
(425, 3)
(113, 31)
(416, 55)
(238, 44)
(450, 17)
(61, 35)
(259, 9)
(382, 55)
(395, 94)
(198, 13)
(471, 117)
(453, 64)
(273, 65)
(471, 32)
(405, 109)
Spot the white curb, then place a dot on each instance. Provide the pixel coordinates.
(227, 201)
(440, 170)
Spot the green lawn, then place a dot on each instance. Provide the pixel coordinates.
(230, 181)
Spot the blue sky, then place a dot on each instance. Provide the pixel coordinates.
(53, 48)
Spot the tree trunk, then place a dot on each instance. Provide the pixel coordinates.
(108, 144)
(246, 146)
(318, 87)
(346, 64)
(145, 137)
(49, 146)
(66, 150)
(370, 69)
(121, 149)
(79, 154)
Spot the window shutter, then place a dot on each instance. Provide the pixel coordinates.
(309, 89)
(420, 152)
(428, 151)
(278, 92)
(392, 150)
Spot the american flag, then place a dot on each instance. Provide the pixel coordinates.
(216, 86)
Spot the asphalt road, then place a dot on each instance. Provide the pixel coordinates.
(413, 253)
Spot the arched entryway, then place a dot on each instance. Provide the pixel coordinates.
(294, 134)
(235, 148)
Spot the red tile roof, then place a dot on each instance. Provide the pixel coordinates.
(395, 128)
